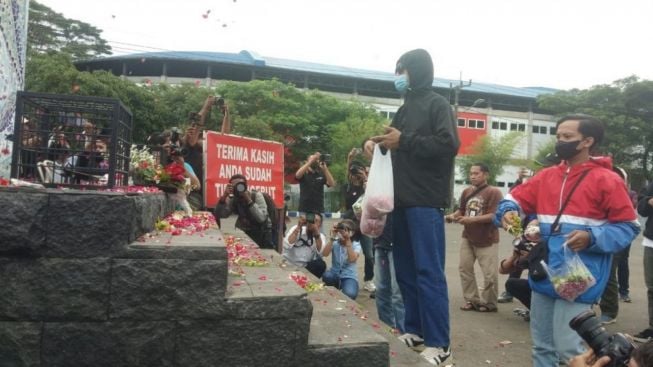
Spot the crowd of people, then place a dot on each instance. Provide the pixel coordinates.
(577, 208)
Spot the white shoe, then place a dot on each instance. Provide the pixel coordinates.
(411, 340)
(369, 286)
(436, 356)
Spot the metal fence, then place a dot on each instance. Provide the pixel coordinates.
(73, 141)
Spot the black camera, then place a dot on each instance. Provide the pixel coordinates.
(194, 117)
(616, 346)
(176, 150)
(522, 244)
(310, 218)
(219, 102)
(239, 188)
(355, 169)
(326, 158)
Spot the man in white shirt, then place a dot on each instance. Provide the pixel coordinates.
(303, 243)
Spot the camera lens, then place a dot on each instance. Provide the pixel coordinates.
(239, 188)
(589, 328)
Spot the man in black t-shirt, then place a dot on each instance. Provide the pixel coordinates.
(312, 177)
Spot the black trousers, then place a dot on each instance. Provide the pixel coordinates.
(520, 289)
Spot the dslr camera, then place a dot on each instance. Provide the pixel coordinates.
(239, 188)
(522, 244)
(219, 102)
(310, 218)
(616, 346)
(326, 158)
(176, 150)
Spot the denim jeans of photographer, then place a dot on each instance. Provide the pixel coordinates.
(389, 303)
(550, 330)
(348, 286)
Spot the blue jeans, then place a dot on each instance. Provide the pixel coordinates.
(348, 286)
(389, 303)
(418, 250)
(553, 339)
(366, 244)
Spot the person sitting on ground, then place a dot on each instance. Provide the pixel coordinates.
(343, 273)
(252, 211)
(303, 244)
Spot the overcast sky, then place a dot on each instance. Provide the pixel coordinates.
(552, 43)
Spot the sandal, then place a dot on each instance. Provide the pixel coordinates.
(485, 308)
(468, 307)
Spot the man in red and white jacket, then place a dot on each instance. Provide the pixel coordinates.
(598, 221)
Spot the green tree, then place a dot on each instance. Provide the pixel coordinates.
(494, 152)
(48, 30)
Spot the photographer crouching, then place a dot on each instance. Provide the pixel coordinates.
(252, 211)
(303, 244)
(607, 350)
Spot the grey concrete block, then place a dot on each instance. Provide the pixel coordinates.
(54, 289)
(82, 225)
(109, 344)
(23, 222)
(148, 208)
(206, 245)
(20, 343)
(167, 289)
(238, 343)
(347, 356)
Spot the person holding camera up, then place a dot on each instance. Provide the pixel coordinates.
(582, 207)
(193, 141)
(312, 177)
(480, 240)
(303, 244)
(343, 273)
(252, 211)
(640, 357)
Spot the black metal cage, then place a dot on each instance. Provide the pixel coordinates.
(73, 141)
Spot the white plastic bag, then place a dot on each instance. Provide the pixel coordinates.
(379, 192)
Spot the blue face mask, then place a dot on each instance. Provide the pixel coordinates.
(401, 83)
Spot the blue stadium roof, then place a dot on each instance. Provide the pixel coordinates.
(249, 58)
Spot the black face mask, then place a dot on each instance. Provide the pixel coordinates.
(567, 149)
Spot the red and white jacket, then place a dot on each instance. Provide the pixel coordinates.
(600, 205)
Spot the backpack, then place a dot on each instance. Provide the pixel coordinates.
(272, 214)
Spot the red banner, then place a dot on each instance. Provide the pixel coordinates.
(260, 161)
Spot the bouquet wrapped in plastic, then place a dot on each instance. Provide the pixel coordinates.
(571, 278)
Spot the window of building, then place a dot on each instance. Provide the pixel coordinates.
(495, 125)
(543, 130)
(522, 127)
(513, 127)
(459, 182)
(511, 184)
(501, 184)
(504, 126)
(480, 124)
(461, 122)
(552, 130)
(471, 124)
(536, 129)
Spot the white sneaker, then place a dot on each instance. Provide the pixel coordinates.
(369, 286)
(436, 356)
(411, 340)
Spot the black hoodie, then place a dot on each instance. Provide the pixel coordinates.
(424, 162)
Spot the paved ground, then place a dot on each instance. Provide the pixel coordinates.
(501, 338)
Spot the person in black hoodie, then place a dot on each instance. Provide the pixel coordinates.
(424, 142)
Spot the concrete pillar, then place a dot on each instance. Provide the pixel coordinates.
(164, 73)
(208, 75)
